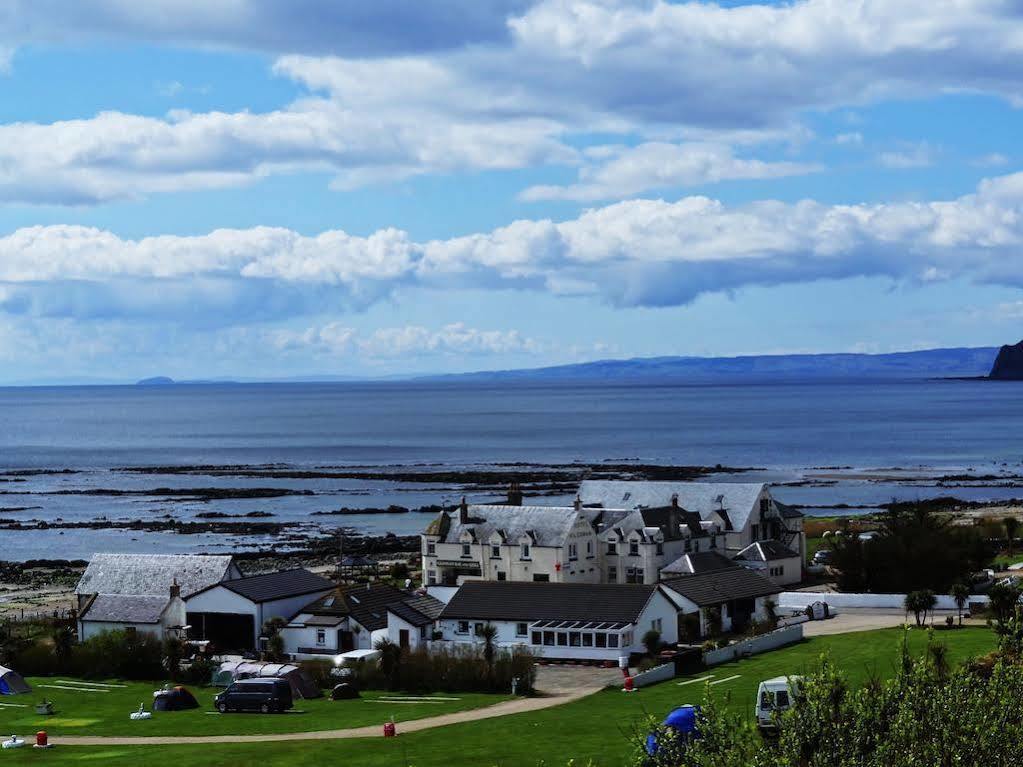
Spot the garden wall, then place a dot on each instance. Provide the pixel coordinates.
(798, 600)
(654, 675)
(755, 645)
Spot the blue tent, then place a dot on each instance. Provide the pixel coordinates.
(11, 683)
(682, 719)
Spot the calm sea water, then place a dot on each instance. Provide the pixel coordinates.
(783, 427)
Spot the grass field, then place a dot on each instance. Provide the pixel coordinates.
(103, 709)
(594, 728)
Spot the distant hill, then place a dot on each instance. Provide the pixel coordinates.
(930, 363)
(1008, 365)
(155, 381)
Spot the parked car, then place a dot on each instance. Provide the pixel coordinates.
(267, 695)
(822, 557)
(775, 696)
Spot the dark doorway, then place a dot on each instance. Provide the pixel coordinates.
(345, 640)
(741, 611)
(403, 639)
(226, 631)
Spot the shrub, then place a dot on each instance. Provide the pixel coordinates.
(652, 641)
(198, 672)
(120, 655)
(455, 669)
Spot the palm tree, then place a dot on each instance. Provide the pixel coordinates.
(961, 594)
(920, 603)
(488, 633)
(1011, 525)
(63, 645)
(390, 660)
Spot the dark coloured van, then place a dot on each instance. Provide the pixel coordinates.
(267, 695)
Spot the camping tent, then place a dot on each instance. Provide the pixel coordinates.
(11, 683)
(174, 699)
(302, 685)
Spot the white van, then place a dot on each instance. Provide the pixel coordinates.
(775, 696)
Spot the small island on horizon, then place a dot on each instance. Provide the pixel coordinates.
(1008, 365)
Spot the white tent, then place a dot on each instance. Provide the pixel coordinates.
(302, 685)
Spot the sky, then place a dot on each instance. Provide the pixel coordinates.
(283, 188)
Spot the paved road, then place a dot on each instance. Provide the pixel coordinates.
(868, 619)
(566, 685)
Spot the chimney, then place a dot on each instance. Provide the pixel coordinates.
(175, 589)
(514, 494)
(675, 517)
(578, 503)
(463, 512)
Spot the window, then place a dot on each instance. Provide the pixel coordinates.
(660, 548)
(587, 640)
(689, 544)
(600, 640)
(656, 625)
(713, 540)
(502, 576)
(130, 630)
(541, 578)
(466, 550)
(562, 639)
(573, 551)
(431, 548)
(431, 577)
(765, 506)
(521, 629)
(495, 551)
(548, 638)
(589, 548)
(612, 547)
(633, 548)
(537, 638)
(477, 629)
(463, 627)
(634, 575)
(696, 545)
(524, 551)
(612, 640)
(754, 532)
(612, 574)
(321, 637)
(575, 639)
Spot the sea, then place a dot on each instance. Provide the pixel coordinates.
(111, 454)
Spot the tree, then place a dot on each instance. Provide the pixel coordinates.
(488, 633)
(919, 603)
(63, 645)
(173, 650)
(1003, 600)
(274, 648)
(961, 594)
(1011, 525)
(390, 660)
(652, 641)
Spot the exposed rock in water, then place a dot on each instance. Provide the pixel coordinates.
(1008, 364)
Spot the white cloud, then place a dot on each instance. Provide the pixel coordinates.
(633, 253)
(456, 339)
(628, 171)
(993, 160)
(854, 138)
(919, 156)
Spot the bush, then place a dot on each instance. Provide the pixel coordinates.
(455, 669)
(199, 672)
(119, 655)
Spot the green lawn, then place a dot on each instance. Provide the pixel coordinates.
(104, 711)
(590, 729)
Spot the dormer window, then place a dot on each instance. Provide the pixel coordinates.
(466, 550)
(660, 548)
(633, 548)
(524, 551)
(612, 547)
(431, 548)
(765, 506)
(495, 551)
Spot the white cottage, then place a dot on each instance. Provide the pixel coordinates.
(580, 621)
(723, 600)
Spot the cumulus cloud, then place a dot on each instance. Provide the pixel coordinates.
(632, 253)
(919, 156)
(628, 171)
(353, 27)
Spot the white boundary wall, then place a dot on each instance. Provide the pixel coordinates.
(799, 600)
(654, 675)
(755, 645)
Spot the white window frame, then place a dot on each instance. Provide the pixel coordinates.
(321, 637)
(525, 551)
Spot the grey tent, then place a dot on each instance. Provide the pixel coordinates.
(12, 683)
(302, 685)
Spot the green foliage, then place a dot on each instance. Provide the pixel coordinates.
(1011, 525)
(450, 669)
(920, 603)
(652, 641)
(917, 549)
(1003, 601)
(173, 651)
(488, 633)
(961, 594)
(273, 650)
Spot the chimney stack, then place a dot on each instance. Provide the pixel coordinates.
(175, 589)
(463, 511)
(675, 517)
(514, 494)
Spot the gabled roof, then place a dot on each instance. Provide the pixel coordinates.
(280, 585)
(715, 588)
(419, 610)
(152, 574)
(368, 606)
(119, 608)
(737, 498)
(699, 562)
(546, 525)
(526, 601)
(766, 551)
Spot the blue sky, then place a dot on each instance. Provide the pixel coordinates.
(270, 189)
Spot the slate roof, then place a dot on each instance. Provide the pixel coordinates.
(119, 608)
(527, 601)
(722, 586)
(368, 605)
(738, 498)
(699, 562)
(280, 585)
(547, 525)
(152, 574)
(766, 551)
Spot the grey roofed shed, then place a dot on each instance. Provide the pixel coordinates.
(152, 574)
(121, 608)
(269, 587)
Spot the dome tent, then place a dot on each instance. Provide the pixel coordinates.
(12, 683)
(174, 699)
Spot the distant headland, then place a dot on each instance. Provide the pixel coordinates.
(1008, 365)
